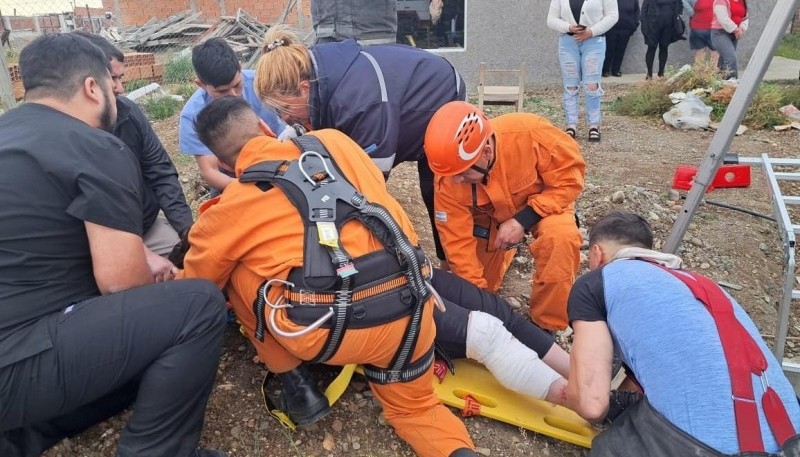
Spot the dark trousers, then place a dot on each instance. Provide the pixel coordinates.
(426, 189)
(158, 345)
(616, 43)
(462, 297)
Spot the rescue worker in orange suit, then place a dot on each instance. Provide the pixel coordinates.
(286, 262)
(498, 180)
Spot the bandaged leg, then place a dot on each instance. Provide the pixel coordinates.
(516, 366)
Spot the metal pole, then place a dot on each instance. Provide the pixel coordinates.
(773, 33)
(89, 15)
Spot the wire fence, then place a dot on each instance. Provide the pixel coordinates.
(155, 35)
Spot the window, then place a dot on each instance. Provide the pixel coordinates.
(415, 26)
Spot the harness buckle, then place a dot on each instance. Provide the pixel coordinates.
(393, 376)
(307, 298)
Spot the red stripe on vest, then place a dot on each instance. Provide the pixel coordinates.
(744, 358)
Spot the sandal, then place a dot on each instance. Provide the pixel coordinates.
(594, 135)
(570, 131)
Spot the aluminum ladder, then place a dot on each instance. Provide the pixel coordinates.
(788, 230)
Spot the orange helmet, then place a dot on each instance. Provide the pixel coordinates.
(455, 138)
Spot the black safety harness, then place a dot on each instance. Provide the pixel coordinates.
(333, 290)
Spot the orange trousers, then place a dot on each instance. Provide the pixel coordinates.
(411, 408)
(556, 255)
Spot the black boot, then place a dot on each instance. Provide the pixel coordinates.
(463, 452)
(300, 397)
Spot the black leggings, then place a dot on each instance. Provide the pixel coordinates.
(460, 298)
(649, 57)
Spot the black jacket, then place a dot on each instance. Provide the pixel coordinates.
(161, 188)
(628, 16)
(658, 21)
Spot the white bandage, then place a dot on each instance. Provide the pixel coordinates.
(515, 365)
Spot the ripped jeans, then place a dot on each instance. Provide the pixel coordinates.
(582, 65)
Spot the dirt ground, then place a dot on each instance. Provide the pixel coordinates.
(630, 169)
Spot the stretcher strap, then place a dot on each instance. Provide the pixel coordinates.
(744, 359)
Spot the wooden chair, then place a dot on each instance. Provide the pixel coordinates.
(502, 93)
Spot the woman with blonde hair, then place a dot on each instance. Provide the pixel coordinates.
(381, 96)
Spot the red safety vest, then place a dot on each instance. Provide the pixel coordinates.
(744, 358)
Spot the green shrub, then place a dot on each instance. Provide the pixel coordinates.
(650, 99)
(790, 94)
(701, 75)
(789, 47)
(763, 110)
(185, 90)
(131, 86)
(179, 70)
(161, 107)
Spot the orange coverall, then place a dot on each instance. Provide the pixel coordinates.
(250, 235)
(536, 165)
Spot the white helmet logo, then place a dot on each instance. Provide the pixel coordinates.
(469, 118)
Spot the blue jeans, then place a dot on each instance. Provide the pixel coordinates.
(582, 64)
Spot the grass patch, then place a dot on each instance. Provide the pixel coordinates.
(179, 70)
(12, 56)
(185, 90)
(790, 46)
(763, 111)
(651, 99)
(131, 86)
(161, 108)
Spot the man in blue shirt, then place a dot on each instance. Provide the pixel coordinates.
(219, 74)
(635, 304)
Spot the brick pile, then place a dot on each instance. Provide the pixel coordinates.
(138, 65)
(142, 66)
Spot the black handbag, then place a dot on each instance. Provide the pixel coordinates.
(680, 27)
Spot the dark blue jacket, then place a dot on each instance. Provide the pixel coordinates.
(161, 189)
(381, 96)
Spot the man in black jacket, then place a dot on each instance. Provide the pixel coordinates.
(161, 189)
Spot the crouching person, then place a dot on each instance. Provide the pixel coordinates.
(711, 386)
(84, 332)
(322, 265)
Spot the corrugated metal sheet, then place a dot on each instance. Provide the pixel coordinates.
(40, 7)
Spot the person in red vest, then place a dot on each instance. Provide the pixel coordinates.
(711, 387)
(727, 28)
(701, 14)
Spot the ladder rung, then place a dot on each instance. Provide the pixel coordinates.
(792, 200)
(787, 176)
(796, 228)
(795, 294)
(791, 366)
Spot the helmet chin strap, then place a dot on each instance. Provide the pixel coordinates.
(484, 171)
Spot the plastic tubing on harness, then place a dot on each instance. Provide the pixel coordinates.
(279, 305)
(437, 300)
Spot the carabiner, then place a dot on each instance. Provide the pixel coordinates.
(281, 299)
(313, 326)
(324, 165)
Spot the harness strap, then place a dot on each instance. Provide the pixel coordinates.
(315, 188)
(744, 358)
(411, 372)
